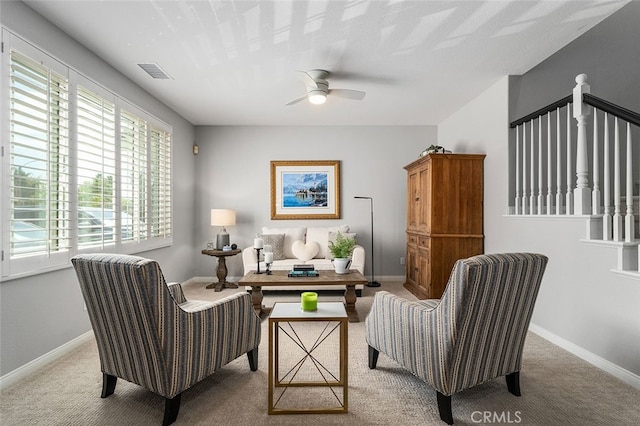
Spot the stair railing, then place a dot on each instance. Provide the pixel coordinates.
(548, 185)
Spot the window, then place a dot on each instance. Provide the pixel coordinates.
(87, 170)
(96, 169)
(160, 183)
(133, 161)
(39, 189)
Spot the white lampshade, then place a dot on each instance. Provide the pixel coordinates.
(223, 217)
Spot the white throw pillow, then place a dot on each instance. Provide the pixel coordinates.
(290, 235)
(320, 235)
(305, 251)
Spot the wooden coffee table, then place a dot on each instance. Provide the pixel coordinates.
(281, 278)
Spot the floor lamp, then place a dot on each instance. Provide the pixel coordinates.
(373, 282)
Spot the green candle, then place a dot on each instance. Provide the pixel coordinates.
(309, 301)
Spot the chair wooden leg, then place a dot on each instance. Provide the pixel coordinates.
(171, 409)
(253, 359)
(444, 407)
(108, 384)
(513, 383)
(373, 357)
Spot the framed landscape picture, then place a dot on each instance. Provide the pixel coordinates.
(305, 189)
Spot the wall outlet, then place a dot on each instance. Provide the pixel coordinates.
(402, 260)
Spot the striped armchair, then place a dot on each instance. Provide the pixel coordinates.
(149, 334)
(475, 333)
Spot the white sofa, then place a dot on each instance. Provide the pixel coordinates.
(297, 244)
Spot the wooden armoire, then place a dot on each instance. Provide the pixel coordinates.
(444, 218)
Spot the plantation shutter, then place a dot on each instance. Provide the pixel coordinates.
(39, 159)
(133, 175)
(160, 183)
(84, 170)
(96, 169)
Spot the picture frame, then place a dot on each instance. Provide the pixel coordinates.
(305, 189)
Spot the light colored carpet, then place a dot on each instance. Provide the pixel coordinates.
(557, 389)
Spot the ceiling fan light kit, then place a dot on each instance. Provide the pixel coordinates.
(317, 97)
(318, 88)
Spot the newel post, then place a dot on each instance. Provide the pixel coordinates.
(582, 193)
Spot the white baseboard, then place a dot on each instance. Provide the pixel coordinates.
(390, 278)
(615, 370)
(202, 279)
(21, 372)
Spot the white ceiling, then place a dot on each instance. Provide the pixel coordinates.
(234, 62)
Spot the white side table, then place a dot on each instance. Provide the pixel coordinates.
(283, 322)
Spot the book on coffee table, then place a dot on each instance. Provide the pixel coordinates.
(303, 267)
(304, 273)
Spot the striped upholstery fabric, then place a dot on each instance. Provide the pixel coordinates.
(148, 333)
(475, 333)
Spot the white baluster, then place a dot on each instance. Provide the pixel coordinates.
(532, 197)
(540, 185)
(518, 201)
(569, 164)
(629, 224)
(607, 219)
(617, 207)
(558, 163)
(549, 166)
(525, 202)
(595, 195)
(582, 194)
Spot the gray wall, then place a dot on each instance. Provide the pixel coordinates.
(42, 312)
(610, 56)
(233, 171)
(582, 304)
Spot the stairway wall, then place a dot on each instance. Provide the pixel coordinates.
(581, 301)
(610, 56)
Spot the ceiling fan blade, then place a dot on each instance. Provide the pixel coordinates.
(307, 79)
(296, 100)
(355, 95)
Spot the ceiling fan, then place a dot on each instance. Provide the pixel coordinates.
(318, 88)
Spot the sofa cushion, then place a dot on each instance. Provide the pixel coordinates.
(290, 235)
(276, 241)
(332, 237)
(305, 251)
(320, 235)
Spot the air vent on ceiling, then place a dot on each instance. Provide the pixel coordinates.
(155, 71)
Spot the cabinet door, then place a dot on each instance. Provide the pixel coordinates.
(424, 273)
(413, 199)
(412, 267)
(423, 198)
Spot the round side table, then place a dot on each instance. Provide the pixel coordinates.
(221, 270)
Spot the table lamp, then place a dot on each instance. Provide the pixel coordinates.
(222, 217)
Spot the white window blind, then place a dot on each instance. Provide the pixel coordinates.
(96, 170)
(39, 159)
(83, 169)
(160, 183)
(133, 174)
